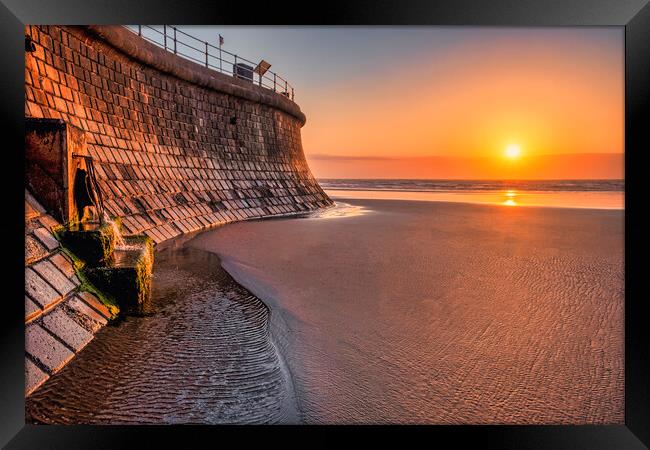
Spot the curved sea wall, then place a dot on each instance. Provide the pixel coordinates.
(176, 147)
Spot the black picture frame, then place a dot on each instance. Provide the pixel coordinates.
(634, 15)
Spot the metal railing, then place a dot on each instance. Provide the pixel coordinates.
(211, 56)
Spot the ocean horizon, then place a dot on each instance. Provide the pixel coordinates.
(442, 185)
(584, 193)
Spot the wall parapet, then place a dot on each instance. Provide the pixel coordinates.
(152, 55)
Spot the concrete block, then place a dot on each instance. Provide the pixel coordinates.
(174, 231)
(54, 276)
(94, 303)
(82, 308)
(39, 290)
(128, 278)
(47, 238)
(180, 224)
(33, 203)
(34, 250)
(41, 345)
(30, 211)
(164, 231)
(64, 326)
(153, 234)
(31, 309)
(48, 221)
(240, 160)
(64, 264)
(34, 377)
(91, 242)
(204, 220)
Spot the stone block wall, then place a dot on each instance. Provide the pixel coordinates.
(59, 319)
(176, 147)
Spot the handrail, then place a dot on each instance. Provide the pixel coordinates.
(169, 39)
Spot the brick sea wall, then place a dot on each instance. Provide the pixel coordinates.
(176, 147)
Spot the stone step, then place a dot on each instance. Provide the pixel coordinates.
(127, 278)
(92, 242)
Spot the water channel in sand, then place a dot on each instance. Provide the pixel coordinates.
(201, 353)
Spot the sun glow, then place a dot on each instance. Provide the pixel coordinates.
(513, 151)
(511, 199)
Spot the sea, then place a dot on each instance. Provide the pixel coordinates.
(592, 194)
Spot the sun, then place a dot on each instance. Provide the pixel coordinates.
(513, 151)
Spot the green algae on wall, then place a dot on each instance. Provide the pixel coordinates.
(91, 242)
(87, 286)
(119, 275)
(127, 277)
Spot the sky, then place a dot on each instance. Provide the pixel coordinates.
(448, 102)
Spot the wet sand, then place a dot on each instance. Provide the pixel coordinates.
(433, 312)
(200, 355)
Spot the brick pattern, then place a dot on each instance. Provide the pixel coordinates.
(59, 321)
(168, 157)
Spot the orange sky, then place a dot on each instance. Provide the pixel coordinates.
(451, 114)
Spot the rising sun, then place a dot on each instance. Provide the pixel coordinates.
(513, 151)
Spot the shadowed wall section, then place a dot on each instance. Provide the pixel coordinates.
(176, 147)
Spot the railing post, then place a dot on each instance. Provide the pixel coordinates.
(174, 40)
(274, 83)
(165, 36)
(286, 89)
(139, 30)
(206, 53)
(234, 68)
(220, 59)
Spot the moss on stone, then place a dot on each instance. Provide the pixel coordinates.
(87, 286)
(118, 223)
(121, 280)
(57, 230)
(94, 246)
(107, 300)
(128, 276)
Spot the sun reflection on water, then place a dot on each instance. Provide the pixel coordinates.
(510, 198)
(503, 197)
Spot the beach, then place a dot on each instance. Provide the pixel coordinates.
(372, 311)
(393, 311)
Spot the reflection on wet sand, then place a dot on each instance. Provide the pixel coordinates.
(510, 198)
(555, 199)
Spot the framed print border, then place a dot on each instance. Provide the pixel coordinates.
(634, 15)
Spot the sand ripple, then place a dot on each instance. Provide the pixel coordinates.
(202, 356)
(444, 313)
